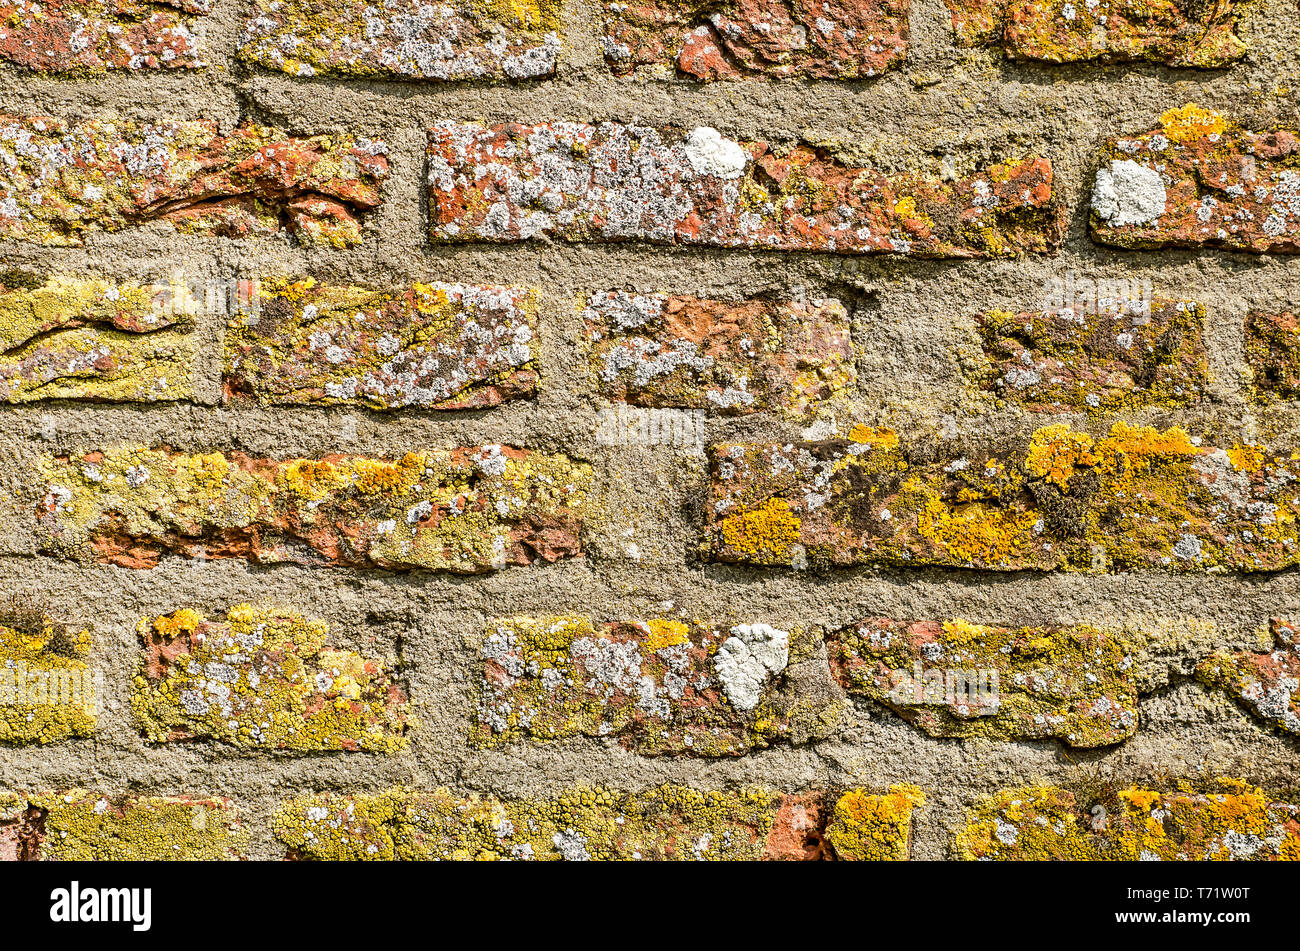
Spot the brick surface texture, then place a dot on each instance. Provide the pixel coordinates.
(664, 429)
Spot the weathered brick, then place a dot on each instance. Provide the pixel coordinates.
(669, 822)
(1137, 499)
(435, 346)
(59, 180)
(47, 690)
(1267, 684)
(70, 338)
(657, 686)
(464, 510)
(468, 39)
(666, 350)
(1172, 32)
(957, 679)
(706, 39)
(616, 182)
(1199, 181)
(1069, 359)
(1232, 820)
(80, 826)
(1272, 344)
(262, 679)
(94, 36)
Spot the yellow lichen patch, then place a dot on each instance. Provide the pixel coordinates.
(664, 633)
(765, 533)
(872, 436)
(1227, 820)
(669, 822)
(79, 825)
(1055, 452)
(1246, 457)
(1189, 122)
(874, 828)
(263, 680)
(47, 691)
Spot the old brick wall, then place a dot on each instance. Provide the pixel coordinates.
(567, 429)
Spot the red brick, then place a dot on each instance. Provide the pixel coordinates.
(67, 179)
(1273, 352)
(435, 346)
(1268, 684)
(663, 350)
(844, 39)
(1172, 32)
(615, 182)
(1198, 181)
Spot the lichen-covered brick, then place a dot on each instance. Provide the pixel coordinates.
(1230, 820)
(1131, 354)
(656, 686)
(434, 346)
(263, 679)
(959, 679)
(70, 338)
(1199, 181)
(706, 40)
(82, 826)
(669, 822)
(47, 690)
(59, 180)
(405, 39)
(616, 182)
(464, 510)
(1268, 684)
(94, 36)
(1173, 32)
(1137, 499)
(665, 350)
(1272, 344)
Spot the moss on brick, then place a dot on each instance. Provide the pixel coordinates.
(263, 679)
(1229, 819)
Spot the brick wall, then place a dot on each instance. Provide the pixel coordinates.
(575, 429)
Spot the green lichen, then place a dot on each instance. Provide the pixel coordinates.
(47, 691)
(668, 822)
(263, 679)
(1230, 819)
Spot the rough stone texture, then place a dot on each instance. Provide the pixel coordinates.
(1074, 684)
(262, 680)
(777, 39)
(657, 686)
(60, 180)
(1130, 355)
(1233, 821)
(470, 39)
(69, 338)
(669, 822)
(466, 510)
(1199, 181)
(667, 350)
(1138, 499)
(47, 691)
(1266, 684)
(92, 36)
(82, 826)
(1272, 344)
(434, 346)
(615, 182)
(1177, 33)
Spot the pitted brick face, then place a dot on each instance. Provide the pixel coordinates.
(1197, 181)
(771, 39)
(1273, 352)
(615, 182)
(431, 346)
(1179, 33)
(405, 39)
(94, 36)
(60, 180)
(665, 350)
